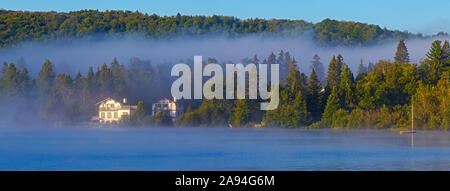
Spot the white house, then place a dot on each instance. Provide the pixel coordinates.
(168, 106)
(110, 110)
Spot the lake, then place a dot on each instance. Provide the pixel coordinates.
(220, 149)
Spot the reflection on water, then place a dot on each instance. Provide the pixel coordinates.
(220, 149)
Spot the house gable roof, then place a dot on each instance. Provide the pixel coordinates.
(105, 100)
(164, 99)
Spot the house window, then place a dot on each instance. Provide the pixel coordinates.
(109, 114)
(116, 115)
(102, 114)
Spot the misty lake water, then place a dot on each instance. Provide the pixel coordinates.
(220, 149)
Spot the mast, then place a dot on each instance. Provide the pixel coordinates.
(412, 125)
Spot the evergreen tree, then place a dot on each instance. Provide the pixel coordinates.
(61, 103)
(362, 68)
(10, 82)
(287, 58)
(241, 113)
(255, 60)
(3, 69)
(295, 81)
(78, 78)
(139, 114)
(333, 104)
(90, 75)
(46, 77)
(362, 71)
(26, 83)
(340, 62)
(297, 112)
(435, 63)
(281, 58)
(333, 77)
(87, 93)
(105, 80)
(314, 96)
(272, 59)
(446, 48)
(401, 55)
(292, 111)
(117, 75)
(319, 69)
(347, 88)
(283, 64)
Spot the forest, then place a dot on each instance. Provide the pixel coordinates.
(20, 26)
(380, 95)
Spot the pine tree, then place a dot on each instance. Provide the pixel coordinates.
(401, 55)
(87, 93)
(45, 83)
(90, 75)
(295, 81)
(281, 57)
(446, 48)
(340, 62)
(362, 68)
(105, 80)
(61, 103)
(297, 112)
(314, 96)
(26, 83)
(362, 71)
(255, 60)
(139, 114)
(3, 69)
(241, 113)
(46, 77)
(287, 58)
(333, 104)
(272, 59)
(435, 63)
(284, 65)
(333, 77)
(319, 69)
(10, 81)
(347, 88)
(117, 75)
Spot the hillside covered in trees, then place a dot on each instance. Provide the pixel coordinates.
(20, 26)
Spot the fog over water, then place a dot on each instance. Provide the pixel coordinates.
(71, 148)
(78, 55)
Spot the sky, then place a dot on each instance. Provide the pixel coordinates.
(424, 16)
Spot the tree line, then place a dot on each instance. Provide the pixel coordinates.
(71, 99)
(380, 96)
(20, 26)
